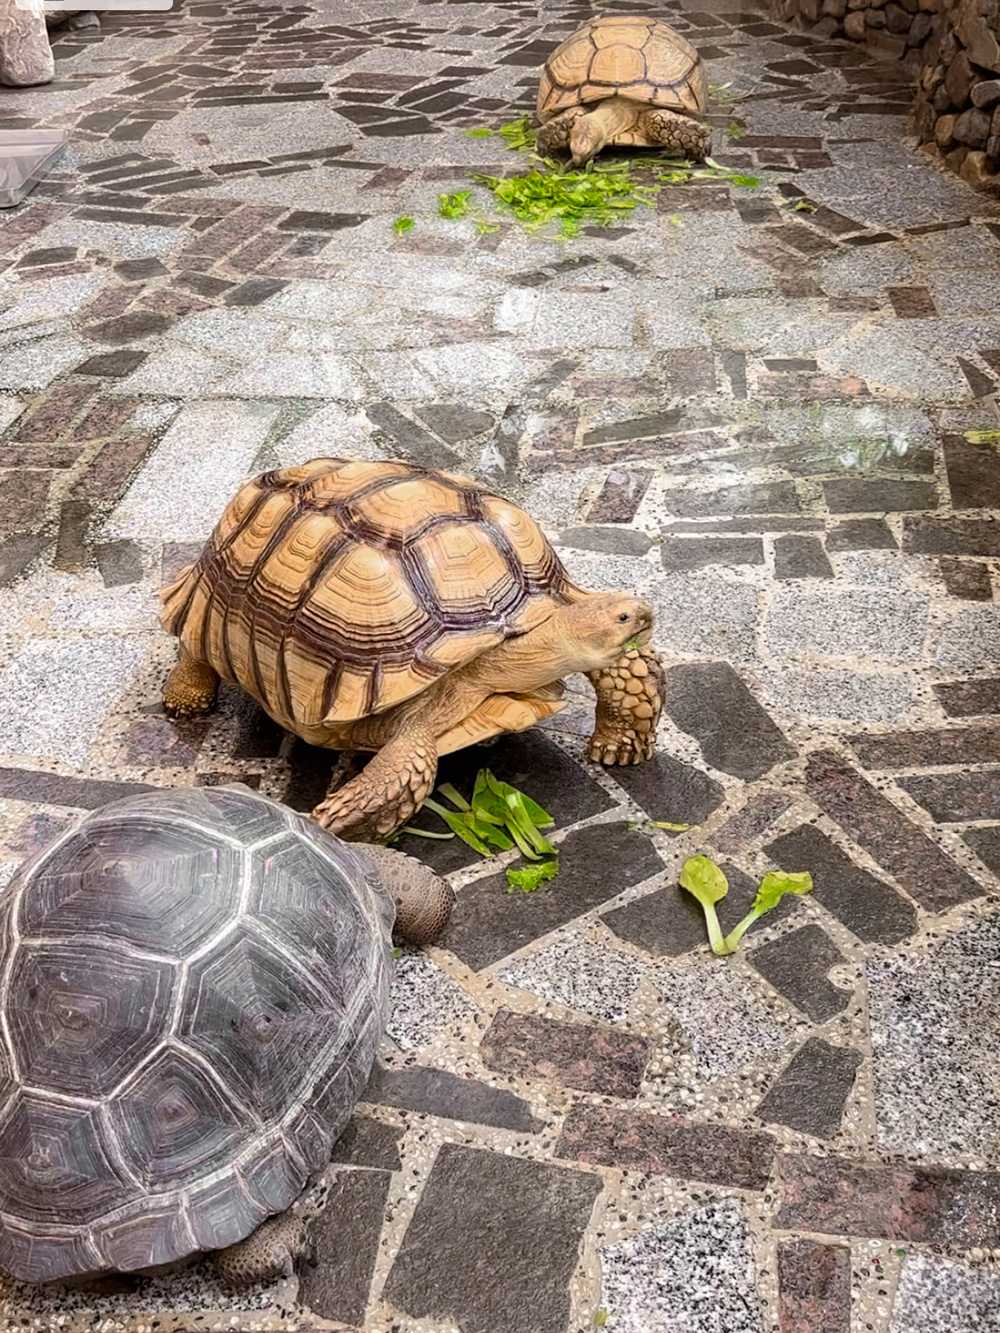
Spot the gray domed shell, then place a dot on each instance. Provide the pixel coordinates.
(194, 986)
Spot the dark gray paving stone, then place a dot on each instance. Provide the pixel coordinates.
(800, 557)
(346, 1238)
(368, 1142)
(968, 579)
(438, 1092)
(929, 749)
(861, 534)
(867, 906)
(839, 1196)
(711, 703)
(417, 445)
(613, 541)
(671, 791)
(778, 497)
(529, 761)
(761, 523)
(16, 554)
(743, 828)
(796, 965)
(849, 495)
(809, 1093)
(686, 553)
(454, 422)
(119, 562)
(956, 797)
(881, 828)
(21, 784)
(311, 221)
(493, 1243)
(985, 842)
(595, 864)
(973, 473)
(969, 698)
(666, 1145)
(254, 292)
(814, 1287)
(669, 922)
(111, 365)
(127, 328)
(176, 556)
(981, 384)
(531, 1046)
(620, 496)
(951, 536)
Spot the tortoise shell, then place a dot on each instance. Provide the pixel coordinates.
(628, 56)
(194, 986)
(339, 588)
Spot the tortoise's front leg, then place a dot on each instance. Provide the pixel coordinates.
(629, 701)
(553, 136)
(384, 795)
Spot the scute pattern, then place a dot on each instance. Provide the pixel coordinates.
(635, 57)
(340, 588)
(155, 1102)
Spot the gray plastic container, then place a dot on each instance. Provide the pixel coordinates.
(25, 157)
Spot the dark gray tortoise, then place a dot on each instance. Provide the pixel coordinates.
(193, 986)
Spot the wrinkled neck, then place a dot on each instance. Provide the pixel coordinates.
(611, 116)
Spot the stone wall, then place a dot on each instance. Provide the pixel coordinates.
(952, 50)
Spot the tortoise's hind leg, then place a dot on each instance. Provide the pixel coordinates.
(191, 687)
(266, 1254)
(387, 792)
(629, 700)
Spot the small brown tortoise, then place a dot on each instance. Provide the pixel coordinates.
(623, 80)
(388, 607)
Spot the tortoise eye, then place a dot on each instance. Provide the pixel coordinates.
(624, 616)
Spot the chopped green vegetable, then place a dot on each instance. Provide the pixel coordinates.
(403, 224)
(601, 1318)
(633, 644)
(480, 132)
(397, 953)
(719, 92)
(773, 888)
(425, 833)
(736, 130)
(745, 182)
(983, 436)
(671, 828)
(705, 881)
(804, 206)
(519, 134)
(454, 205)
(529, 878)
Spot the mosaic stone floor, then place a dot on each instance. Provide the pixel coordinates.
(762, 415)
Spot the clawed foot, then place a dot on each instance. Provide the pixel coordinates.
(618, 749)
(629, 700)
(190, 689)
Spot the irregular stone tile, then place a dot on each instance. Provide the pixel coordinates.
(530, 1046)
(867, 906)
(938, 1295)
(935, 1045)
(809, 1093)
(695, 1273)
(814, 1287)
(848, 622)
(881, 828)
(798, 557)
(973, 473)
(438, 1092)
(969, 637)
(951, 536)
(611, 541)
(687, 553)
(581, 974)
(455, 422)
(705, 614)
(19, 784)
(661, 1145)
(839, 1196)
(968, 698)
(120, 563)
(861, 534)
(850, 495)
(159, 742)
(595, 864)
(368, 1142)
(530, 762)
(929, 749)
(16, 554)
(710, 702)
(36, 831)
(968, 579)
(722, 1014)
(416, 444)
(797, 964)
(985, 842)
(620, 496)
(425, 1001)
(776, 498)
(671, 791)
(519, 1218)
(743, 828)
(346, 1238)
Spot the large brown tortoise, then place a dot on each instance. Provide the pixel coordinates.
(388, 607)
(623, 79)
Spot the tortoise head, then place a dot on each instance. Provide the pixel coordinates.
(602, 625)
(587, 137)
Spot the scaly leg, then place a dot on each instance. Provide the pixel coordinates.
(268, 1253)
(679, 134)
(191, 687)
(553, 136)
(629, 700)
(390, 789)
